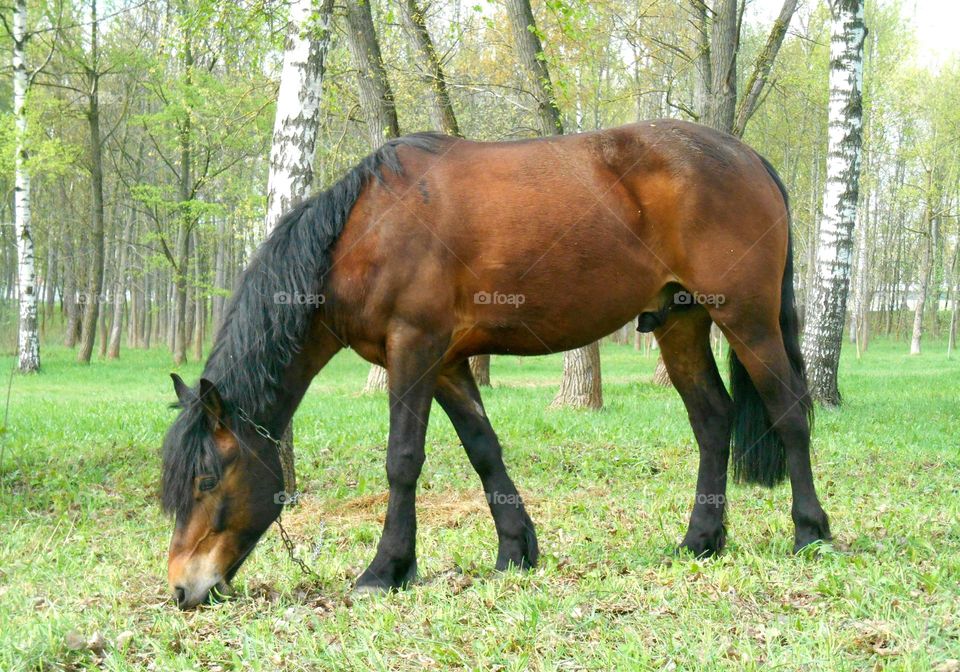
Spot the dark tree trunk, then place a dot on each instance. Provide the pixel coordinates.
(376, 97)
(721, 102)
(441, 110)
(94, 293)
(219, 274)
(530, 52)
(119, 291)
(70, 306)
(580, 385)
(379, 109)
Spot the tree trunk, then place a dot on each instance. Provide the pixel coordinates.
(170, 314)
(376, 380)
(292, 151)
(28, 350)
(119, 292)
(186, 215)
(70, 305)
(660, 374)
(762, 67)
(441, 111)
(480, 368)
(823, 331)
(704, 75)
(180, 303)
(955, 292)
(295, 126)
(376, 99)
(952, 333)
(51, 280)
(219, 274)
(858, 316)
(581, 385)
(724, 44)
(94, 294)
(199, 300)
(923, 287)
(530, 51)
(147, 313)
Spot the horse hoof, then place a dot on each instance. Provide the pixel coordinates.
(523, 553)
(386, 580)
(704, 545)
(367, 591)
(811, 532)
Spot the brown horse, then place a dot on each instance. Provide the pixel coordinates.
(434, 249)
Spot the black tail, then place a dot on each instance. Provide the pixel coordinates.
(758, 454)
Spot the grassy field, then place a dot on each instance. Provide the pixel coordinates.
(82, 547)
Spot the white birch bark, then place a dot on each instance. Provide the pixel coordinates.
(292, 151)
(28, 341)
(823, 330)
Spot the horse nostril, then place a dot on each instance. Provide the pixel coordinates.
(180, 595)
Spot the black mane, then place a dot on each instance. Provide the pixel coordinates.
(260, 335)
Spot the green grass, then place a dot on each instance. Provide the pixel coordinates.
(82, 547)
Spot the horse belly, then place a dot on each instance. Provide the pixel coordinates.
(563, 280)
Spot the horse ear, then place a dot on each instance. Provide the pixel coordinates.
(212, 402)
(183, 391)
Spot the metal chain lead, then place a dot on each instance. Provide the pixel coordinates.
(288, 544)
(288, 498)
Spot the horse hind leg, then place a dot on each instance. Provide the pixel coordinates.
(774, 436)
(684, 340)
(459, 397)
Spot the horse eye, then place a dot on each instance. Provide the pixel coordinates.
(208, 483)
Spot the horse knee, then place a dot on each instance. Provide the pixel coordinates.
(404, 466)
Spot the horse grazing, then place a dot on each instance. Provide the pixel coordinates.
(434, 249)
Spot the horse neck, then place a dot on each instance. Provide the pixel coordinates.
(276, 415)
(268, 407)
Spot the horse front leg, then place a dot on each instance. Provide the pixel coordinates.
(412, 362)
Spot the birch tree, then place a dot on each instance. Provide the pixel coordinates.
(28, 340)
(823, 329)
(292, 152)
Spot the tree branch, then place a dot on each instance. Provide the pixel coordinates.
(762, 67)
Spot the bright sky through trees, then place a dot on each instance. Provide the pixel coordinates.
(934, 23)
